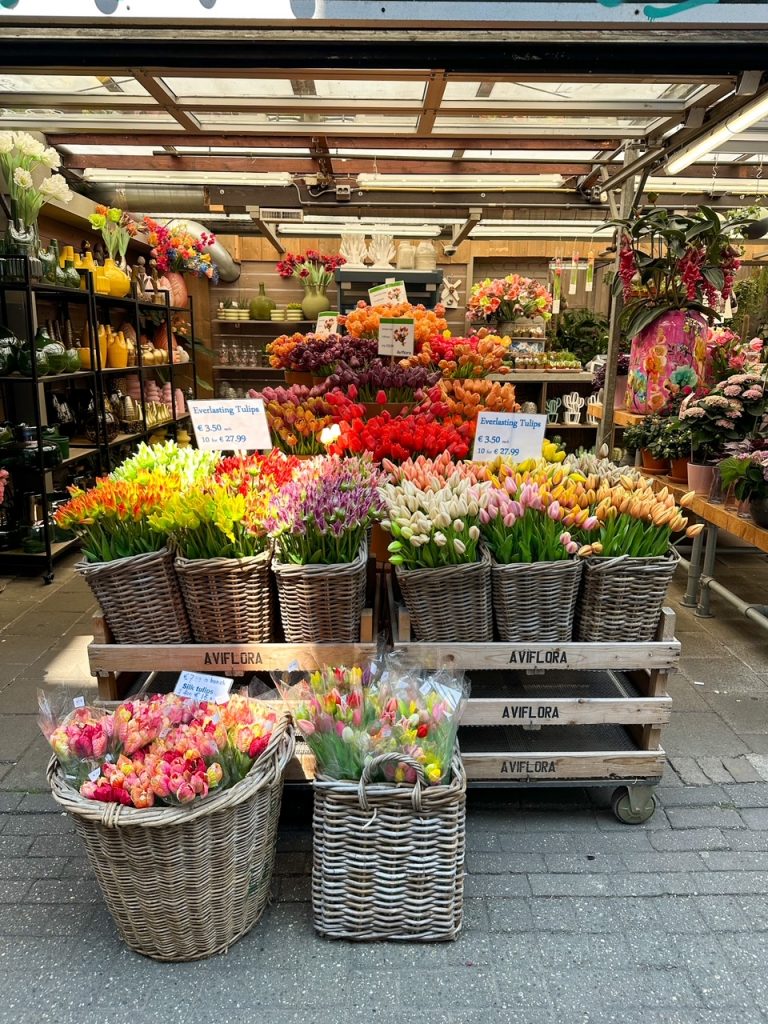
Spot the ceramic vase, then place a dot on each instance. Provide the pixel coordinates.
(314, 303)
(758, 509)
(674, 342)
(700, 478)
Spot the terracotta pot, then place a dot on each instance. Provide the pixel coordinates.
(678, 470)
(298, 377)
(676, 339)
(178, 289)
(651, 464)
(700, 478)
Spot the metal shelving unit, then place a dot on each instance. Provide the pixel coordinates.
(421, 285)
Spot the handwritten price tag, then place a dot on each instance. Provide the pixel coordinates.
(240, 423)
(396, 336)
(516, 435)
(391, 293)
(198, 686)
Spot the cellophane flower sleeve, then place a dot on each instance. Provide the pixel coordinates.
(82, 737)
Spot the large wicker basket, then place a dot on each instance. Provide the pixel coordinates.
(228, 600)
(388, 859)
(140, 598)
(535, 602)
(449, 604)
(183, 883)
(621, 598)
(322, 603)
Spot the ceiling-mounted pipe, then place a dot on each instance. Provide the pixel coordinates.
(229, 271)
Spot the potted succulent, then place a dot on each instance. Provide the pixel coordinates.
(641, 437)
(672, 444)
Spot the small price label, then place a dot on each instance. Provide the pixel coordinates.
(327, 323)
(79, 702)
(396, 336)
(391, 293)
(240, 423)
(198, 686)
(518, 436)
(94, 774)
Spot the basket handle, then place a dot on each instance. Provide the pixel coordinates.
(392, 758)
(609, 563)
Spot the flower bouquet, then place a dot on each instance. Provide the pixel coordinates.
(400, 437)
(315, 271)
(298, 415)
(117, 228)
(505, 299)
(180, 818)
(186, 465)
(127, 564)
(319, 523)
(178, 251)
(459, 401)
(443, 574)
(383, 387)
(364, 320)
(463, 357)
(746, 470)
(533, 526)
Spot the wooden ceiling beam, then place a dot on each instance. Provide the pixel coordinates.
(159, 91)
(433, 97)
(321, 158)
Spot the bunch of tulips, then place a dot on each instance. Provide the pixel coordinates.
(281, 349)
(382, 383)
(298, 415)
(364, 320)
(459, 401)
(399, 437)
(474, 356)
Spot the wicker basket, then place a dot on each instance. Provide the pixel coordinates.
(140, 598)
(449, 604)
(322, 603)
(183, 883)
(621, 598)
(388, 859)
(228, 600)
(535, 602)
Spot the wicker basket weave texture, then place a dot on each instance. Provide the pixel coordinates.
(228, 600)
(322, 603)
(388, 860)
(140, 598)
(621, 598)
(450, 604)
(183, 883)
(535, 602)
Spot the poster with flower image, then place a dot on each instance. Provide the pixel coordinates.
(396, 336)
(391, 293)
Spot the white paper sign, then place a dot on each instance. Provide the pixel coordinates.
(240, 423)
(327, 323)
(94, 774)
(396, 336)
(199, 686)
(79, 702)
(516, 435)
(389, 294)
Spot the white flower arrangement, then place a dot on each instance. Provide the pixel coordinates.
(20, 155)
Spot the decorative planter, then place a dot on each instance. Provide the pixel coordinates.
(677, 339)
(620, 394)
(758, 509)
(700, 478)
(322, 603)
(140, 598)
(388, 859)
(298, 377)
(177, 286)
(451, 604)
(117, 280)
(228, 600)
(651, 464)
(678, 470)
(183, 883)
(535, 603)
(261, 307)
(314, 303)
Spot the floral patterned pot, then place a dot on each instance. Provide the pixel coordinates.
(670, 351)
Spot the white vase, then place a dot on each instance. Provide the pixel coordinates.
(353, 248)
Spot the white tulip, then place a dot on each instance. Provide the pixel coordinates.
(6, 142)
(22, 178)
(51, 159)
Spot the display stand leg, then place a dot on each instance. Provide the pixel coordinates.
(691, 596)
(708, 573)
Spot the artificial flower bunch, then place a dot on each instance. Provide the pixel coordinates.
(117, 228)
(382, 383)
(435, 525)
(113, 518)
(185, 464)
(508, 298)
(164, 749)
(281, 348)
(298, 415)
(459, 401)
(20, 155)
(180, 251)
(322, 515)
(637, 521)
(364, 320)
(422, 471)
(464, 357)
(241, 473)
(400, 437)
(216, 521)
(314, 269)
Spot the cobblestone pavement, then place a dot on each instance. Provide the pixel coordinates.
(571, 917)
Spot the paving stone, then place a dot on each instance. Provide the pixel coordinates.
(504, 863)
(26, 919)
(756, 817)
(13, 890)
(56, 846)
(657, 861)
(16, 734)
(691, 839)
(746, 713)
(39, 825)
(691, 796)
(551, 914)
(733, 860)
(704, 817)
(691, 732)
(749, 794)
(582, 863)
(714, 768)
(9, 802)
(614, 914)
(32, 867)
(510, 915)
(470, 987)
(503, 886)
(721, 985)
(64, 890)
(14, 846)
(741, 770)
(689, 771)
(574, 989)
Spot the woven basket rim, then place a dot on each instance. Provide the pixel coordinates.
(293, 568)
(447, 570)
(349, 788)
(553, 564)
(266, 769)
(598, 562)
(213, 564)
(84, 567)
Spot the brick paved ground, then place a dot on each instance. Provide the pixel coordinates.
(571, 917)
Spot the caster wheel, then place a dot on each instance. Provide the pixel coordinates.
(48, 578)
(622, 807)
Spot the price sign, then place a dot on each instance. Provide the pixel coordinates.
(240, 423)
(396, 336)
(517, 435)
(198, 686)
(327, 323)
(388, 294)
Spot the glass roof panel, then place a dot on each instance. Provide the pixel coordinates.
(107, 150)
(302, 88)
(401, 154)
(303, 121)
(65, 120)
(490, 122)
(72, 85)
(631, 91)
(532, 155)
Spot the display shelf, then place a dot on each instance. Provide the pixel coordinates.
(54, 378)
(122, 438)
(571, 426)
(58, 548)
(264, 323)
(77, 454)
(621, 418)
(253, 369)
(543, 376)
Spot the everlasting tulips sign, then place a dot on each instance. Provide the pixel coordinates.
(518, 436)
(240, 424)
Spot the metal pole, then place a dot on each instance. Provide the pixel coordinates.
(707, 576)
(691, 595)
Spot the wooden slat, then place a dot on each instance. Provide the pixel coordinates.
(567, 711)
(540, 657)
(547, 767)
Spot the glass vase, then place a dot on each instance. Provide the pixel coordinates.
(21, 240)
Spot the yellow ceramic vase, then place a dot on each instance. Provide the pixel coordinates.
(119, 281)
(117, 353)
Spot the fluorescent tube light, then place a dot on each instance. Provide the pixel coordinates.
(400, 231)
(149, 177)
(702, 186)
(459, 182)
(734, 125)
